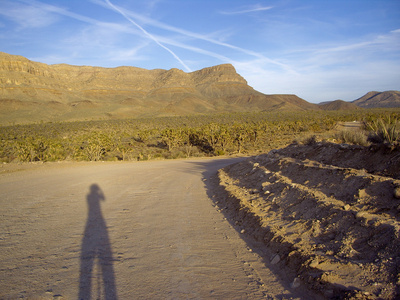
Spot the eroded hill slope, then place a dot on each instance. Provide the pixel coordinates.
(379, 99)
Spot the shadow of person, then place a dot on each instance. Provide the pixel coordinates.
(96, 256)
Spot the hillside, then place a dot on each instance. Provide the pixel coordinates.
(379, 99)
(33, 91)
(338, 105)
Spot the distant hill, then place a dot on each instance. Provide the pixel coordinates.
(379, 99)
(338, 105)
(33, 91)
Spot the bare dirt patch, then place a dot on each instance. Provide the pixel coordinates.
(325, 215)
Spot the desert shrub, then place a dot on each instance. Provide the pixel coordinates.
(220, 152)
(311, 140)
(25, 152)
(145, 135)
(190, 150)
(7, 151)
(56, 151)
(93, 151)
(240, 136)
(384, 130)
(39, 149)
(171, 137)
(354, 137)
(211, 135)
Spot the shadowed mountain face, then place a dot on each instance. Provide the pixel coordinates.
(379, 99)
(32, 91)
(339, 105)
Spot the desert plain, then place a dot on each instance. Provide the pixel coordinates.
(315, 221)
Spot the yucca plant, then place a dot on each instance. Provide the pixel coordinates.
(384, 130)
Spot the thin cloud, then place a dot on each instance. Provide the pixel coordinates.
(160, 25)
(389, 42)
(147, 34)
(246, 11)
(384, 42)
(47, 8)
(27, 16)
(164, 40)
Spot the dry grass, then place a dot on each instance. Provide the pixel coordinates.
(353, 137)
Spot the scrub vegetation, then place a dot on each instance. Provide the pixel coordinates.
(191, 136)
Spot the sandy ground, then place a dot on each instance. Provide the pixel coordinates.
(328, 214)
(143, 230)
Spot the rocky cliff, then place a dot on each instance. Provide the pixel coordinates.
(33, 91)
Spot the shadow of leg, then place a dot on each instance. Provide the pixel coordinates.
(85, 279)
(107, 270)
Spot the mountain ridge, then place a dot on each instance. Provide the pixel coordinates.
(339, 105)
(33, 91)
(374, 99)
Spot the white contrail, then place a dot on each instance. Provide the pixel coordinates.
(159, 40)
(148, 34)
(164, 26)
(245, 11)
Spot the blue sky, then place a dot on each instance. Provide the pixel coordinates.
(320, 50)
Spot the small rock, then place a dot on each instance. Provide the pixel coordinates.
(397, 192)
(347, 207)
(242, 231)
(329, 293)
(296, 283)
(314, 263)
(276, 259)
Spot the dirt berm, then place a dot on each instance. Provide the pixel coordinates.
(323, 215)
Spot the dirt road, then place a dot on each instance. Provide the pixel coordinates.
(143, 230)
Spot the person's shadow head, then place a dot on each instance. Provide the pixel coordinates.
(96, 194)
(96, 255)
